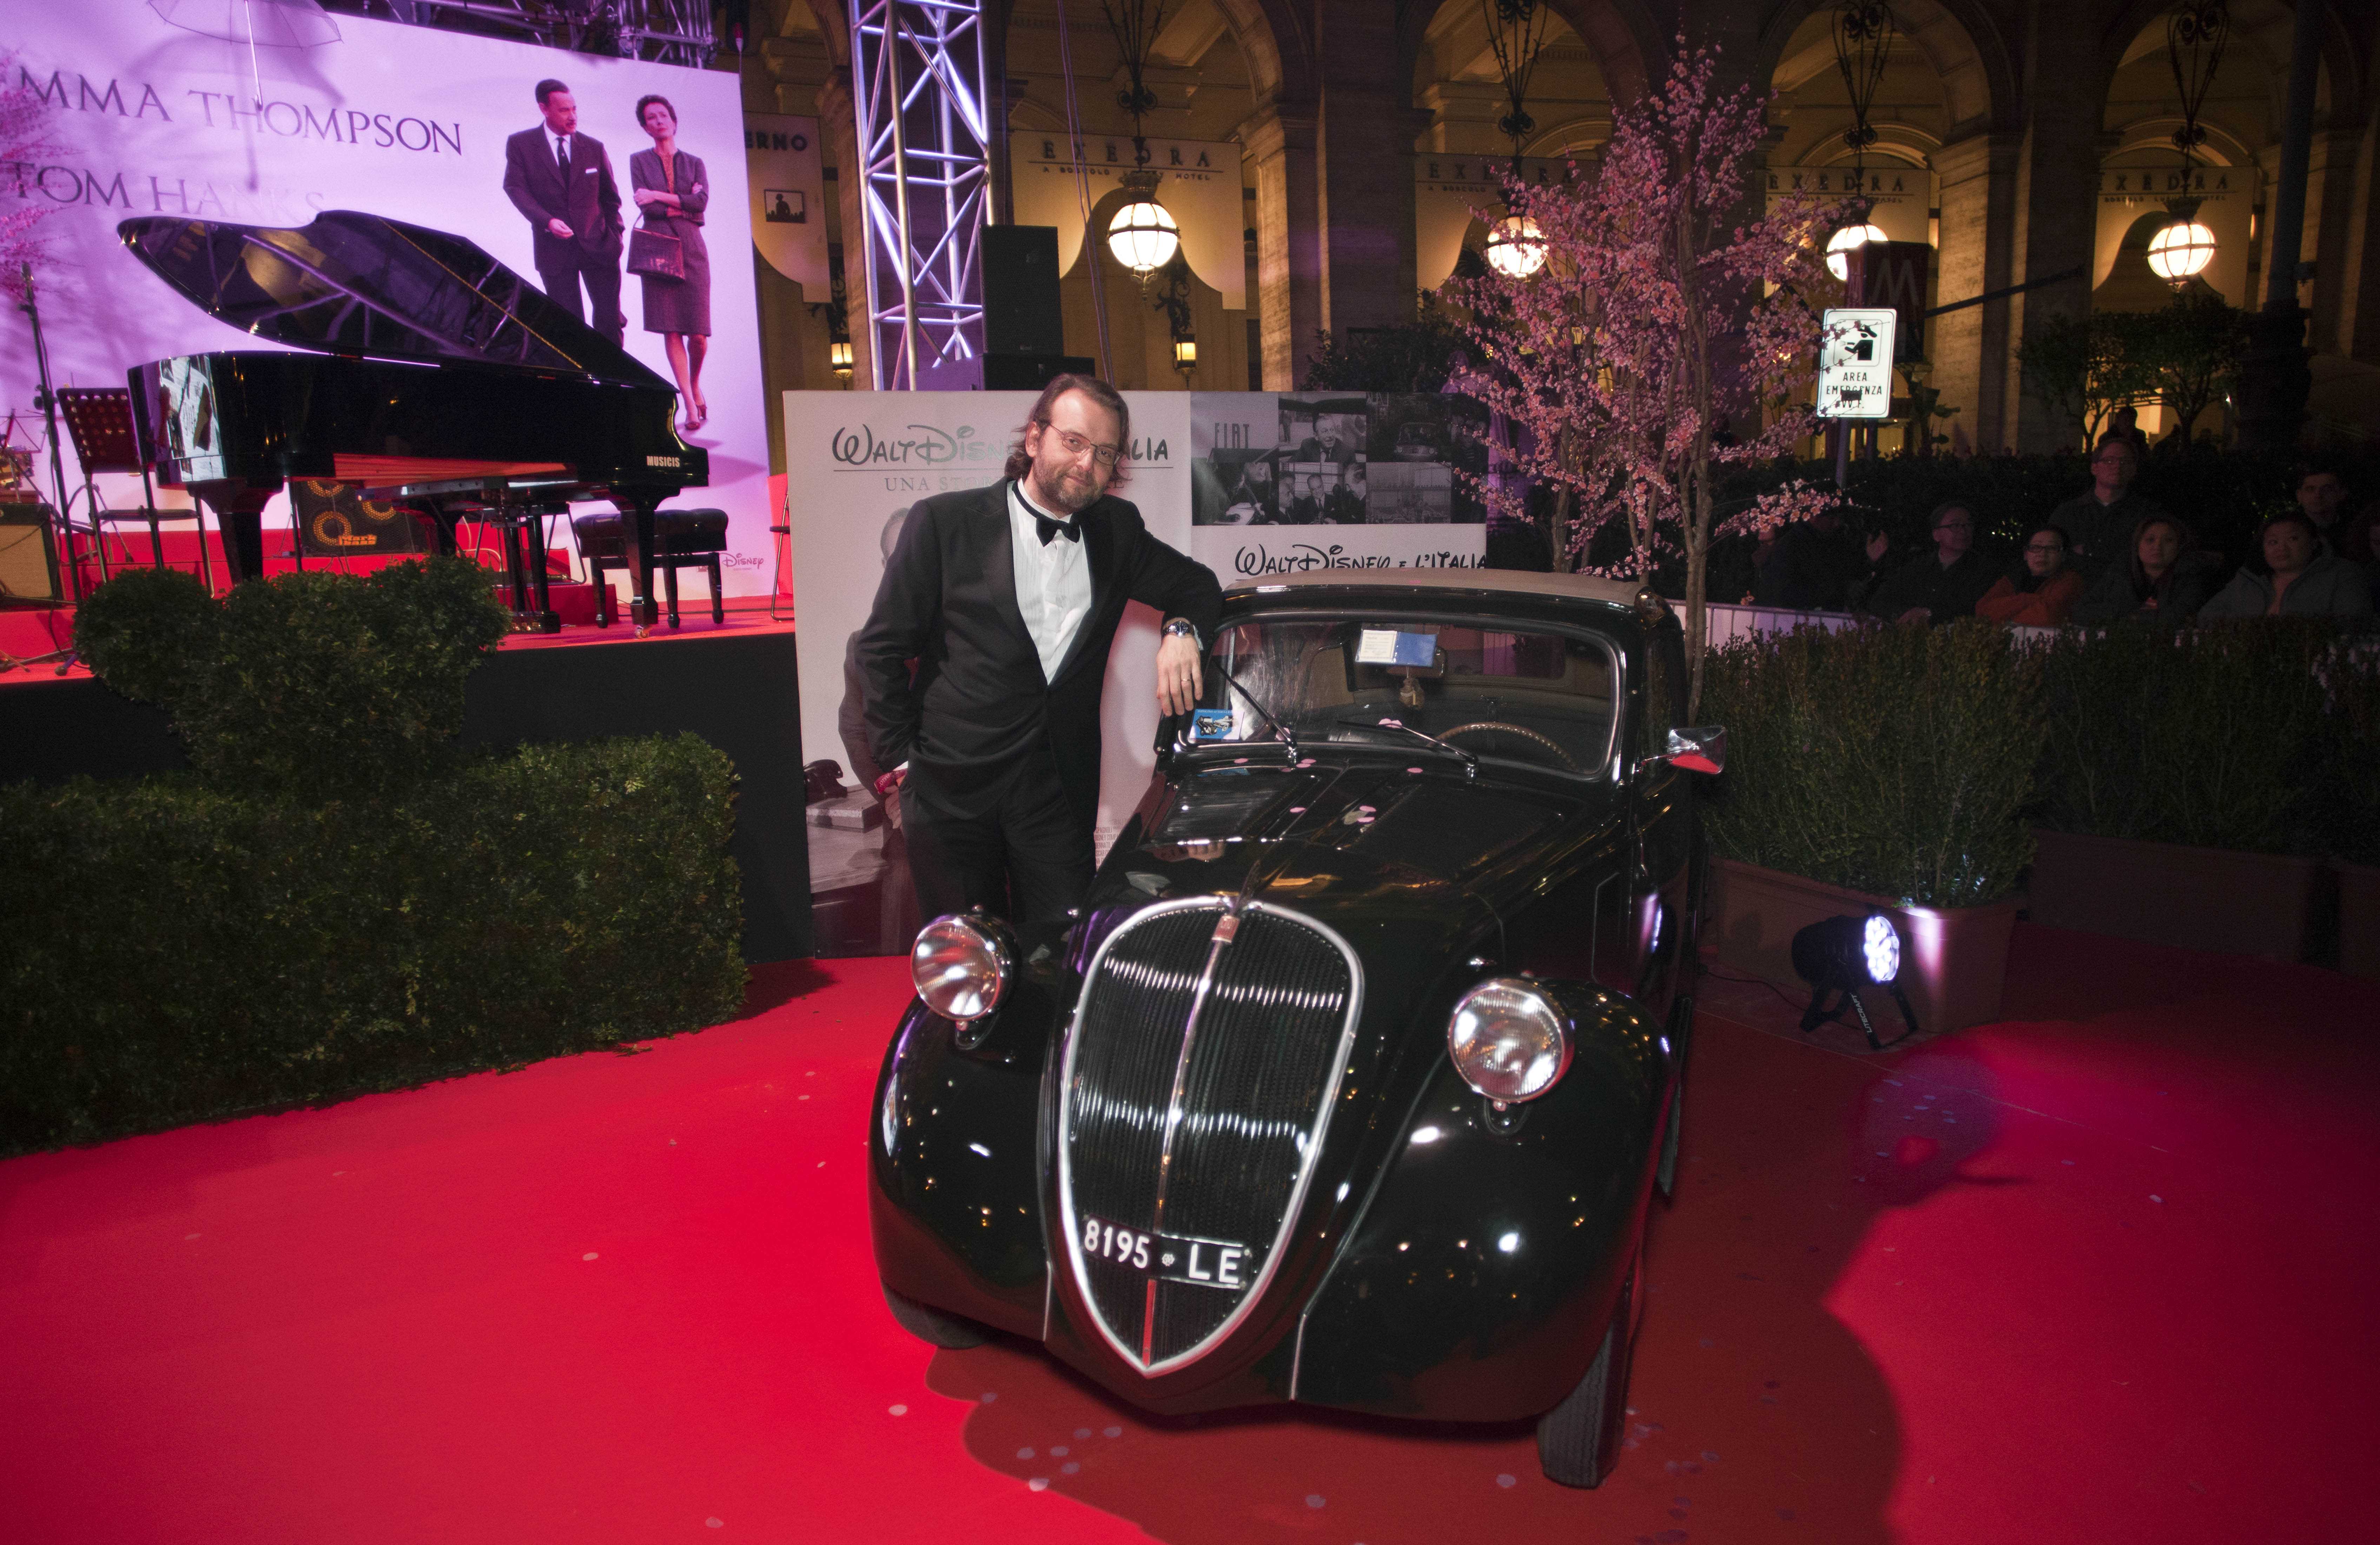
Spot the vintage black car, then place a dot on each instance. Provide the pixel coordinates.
(1350, 1082)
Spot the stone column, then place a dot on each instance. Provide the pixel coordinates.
(1366, 202)
(2056, 193)
(1281, 139)
(2359, 265)
(839, 126)
(1969, 348)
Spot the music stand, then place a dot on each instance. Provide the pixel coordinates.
(107, 438)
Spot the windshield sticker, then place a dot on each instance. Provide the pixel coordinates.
(1385, 646)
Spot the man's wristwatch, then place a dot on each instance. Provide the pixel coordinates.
(1181, 627)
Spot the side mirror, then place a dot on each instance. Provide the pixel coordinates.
(1697, 748)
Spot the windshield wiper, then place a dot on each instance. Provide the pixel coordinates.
(1288, 736)
(1470, 761)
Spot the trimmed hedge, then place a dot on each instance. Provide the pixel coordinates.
(2236, 734)
(1913, 763)
(1895, 761)
(175, 952)
(336, 900)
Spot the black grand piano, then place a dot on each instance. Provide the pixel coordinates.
(435, 377)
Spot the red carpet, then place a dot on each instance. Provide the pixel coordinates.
(2099, 1274)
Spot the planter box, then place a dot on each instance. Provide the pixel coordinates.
(2193, 898)
(1953, 960)
(2358, 917)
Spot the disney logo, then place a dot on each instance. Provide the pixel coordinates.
(1304, 556)
(927, 446)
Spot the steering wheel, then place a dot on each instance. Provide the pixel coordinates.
(1500, 726)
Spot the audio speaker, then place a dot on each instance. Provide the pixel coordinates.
(1030, 372)
(1020, 291)
(29, 562)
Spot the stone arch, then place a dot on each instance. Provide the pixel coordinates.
(1628, 45)
(2264, 25)
(1957, 38)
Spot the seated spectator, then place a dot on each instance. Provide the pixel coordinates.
(2162, 585)
(2322, 494)
(2097, 520)
(1810, 566)
(1942, 585)
(2043, 590)
(2305, 582)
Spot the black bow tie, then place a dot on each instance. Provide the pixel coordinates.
(1049, 527)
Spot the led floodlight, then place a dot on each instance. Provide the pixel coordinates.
(1849, 954)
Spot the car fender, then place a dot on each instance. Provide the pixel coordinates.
(1487, 1260)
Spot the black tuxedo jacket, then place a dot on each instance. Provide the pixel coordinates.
(590, 206)
(978, 705)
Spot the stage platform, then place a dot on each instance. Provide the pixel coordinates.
(733, 683)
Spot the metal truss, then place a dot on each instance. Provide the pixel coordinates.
(660, 32)
(917, 69)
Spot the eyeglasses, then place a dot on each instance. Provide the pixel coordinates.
(1956, 525)
(1075, 445)
(2117, 460)
(2044, 547)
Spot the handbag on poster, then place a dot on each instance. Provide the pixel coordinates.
(657, 254)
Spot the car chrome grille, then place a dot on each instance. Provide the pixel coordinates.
(1198, 1081)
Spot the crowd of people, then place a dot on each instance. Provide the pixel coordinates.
(2107, 557)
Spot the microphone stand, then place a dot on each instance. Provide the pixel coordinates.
(45, 398)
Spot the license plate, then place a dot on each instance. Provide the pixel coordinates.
(1173, 1258)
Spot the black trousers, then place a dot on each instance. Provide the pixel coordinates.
(1026, 858)
(602, 278)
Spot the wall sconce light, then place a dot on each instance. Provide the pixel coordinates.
(1185, 354)
(839, 353)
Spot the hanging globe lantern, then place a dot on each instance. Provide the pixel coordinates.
(1143, 237)
(1843, 241)
(1516, 247)
(2181, 251)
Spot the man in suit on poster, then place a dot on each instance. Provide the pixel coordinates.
(1007, 598)
(561, 181)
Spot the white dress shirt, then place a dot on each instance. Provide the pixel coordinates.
(1053, 581)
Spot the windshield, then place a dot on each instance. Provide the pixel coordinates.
(1531, 696)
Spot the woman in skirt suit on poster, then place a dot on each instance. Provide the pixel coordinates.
(672, 191)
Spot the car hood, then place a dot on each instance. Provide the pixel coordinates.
(1391, 849)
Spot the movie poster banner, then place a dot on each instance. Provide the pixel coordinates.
(1285, 483)
(148, 116)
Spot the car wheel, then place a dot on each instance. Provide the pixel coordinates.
(933, 1325)
(1578, 1441)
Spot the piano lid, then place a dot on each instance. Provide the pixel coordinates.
(359, 284)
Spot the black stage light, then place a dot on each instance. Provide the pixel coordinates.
(1849, 954)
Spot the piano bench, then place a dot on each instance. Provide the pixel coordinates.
(681, 539)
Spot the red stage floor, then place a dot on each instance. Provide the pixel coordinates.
(2097, 1273)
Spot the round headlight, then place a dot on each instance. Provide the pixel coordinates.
(961, 967)
(1508, 1040)
(1881, 948)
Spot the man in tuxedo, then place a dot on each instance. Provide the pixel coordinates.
(1007, 598)
(561, 181)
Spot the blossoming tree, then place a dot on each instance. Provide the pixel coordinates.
(1653, 321)
(24, 137)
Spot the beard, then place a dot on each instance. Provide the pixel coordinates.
(1066, 488)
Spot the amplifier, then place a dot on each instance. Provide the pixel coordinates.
(29, 562)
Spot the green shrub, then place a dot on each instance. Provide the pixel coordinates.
(172, 951)
(2221, 737)
(306, 681)
(2352, 779)
(1894, 760)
